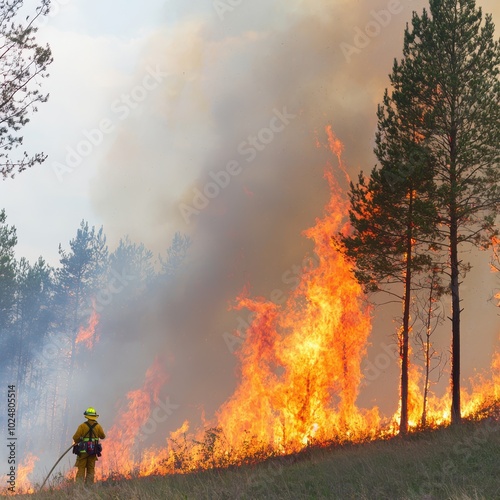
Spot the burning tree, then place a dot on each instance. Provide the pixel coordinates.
(438, 143)
(391, 216)
(430, 315)
(449, 71)
(79, 276)
(495, 256)
(23, 63)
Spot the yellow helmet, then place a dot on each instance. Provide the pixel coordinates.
(90, 413)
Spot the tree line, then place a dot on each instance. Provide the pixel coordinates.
(435, 190)
(44, 308)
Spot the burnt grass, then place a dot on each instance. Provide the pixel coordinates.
(456, 462)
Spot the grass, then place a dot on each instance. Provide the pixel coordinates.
(461, 462)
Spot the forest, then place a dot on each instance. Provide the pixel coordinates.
(406, 232)
(49, 317)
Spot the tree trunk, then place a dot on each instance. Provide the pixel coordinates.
(426, 382)
(455, 326)
(427, 355)
(404, 348)
(454, 272)
(403, 424)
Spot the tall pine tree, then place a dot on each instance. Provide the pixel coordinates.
(78, 278)
(391, 223)
(450, 72)
(8, 241)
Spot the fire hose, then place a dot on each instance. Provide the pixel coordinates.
(55, 465)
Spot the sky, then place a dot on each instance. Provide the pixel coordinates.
(218, 74)
(203, 117)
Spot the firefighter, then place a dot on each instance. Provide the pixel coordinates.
(87, 438)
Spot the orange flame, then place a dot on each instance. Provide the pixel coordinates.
(300, 375)
(121, 441)
(482, 400)
(337, 148)
(23, 473)
(301, 363)
(22, 482)
(89, 336)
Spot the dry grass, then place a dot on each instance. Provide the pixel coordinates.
(453, 463)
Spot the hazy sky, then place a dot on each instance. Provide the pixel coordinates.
(203, 117)
(219, 65)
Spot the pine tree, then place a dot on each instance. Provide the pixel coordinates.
(176, 255)
(8, 241)
(391, 223)
(134, 262)
(79, 277)
(121, 302)
(32, 323)
(495, 266)
(450, 72)
(23, 64)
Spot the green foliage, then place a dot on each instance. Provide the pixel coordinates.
(384, 224)
(438, 144)
(450, 71)
(23, 64)
(133, 259)
(8, 241)
(82, 267)
(35, 287)
(33, 310)
(176, 254)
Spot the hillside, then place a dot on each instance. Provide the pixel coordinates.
(450, 463)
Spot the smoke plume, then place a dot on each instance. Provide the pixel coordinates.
(225, 149)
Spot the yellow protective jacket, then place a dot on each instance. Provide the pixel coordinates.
(83, 432)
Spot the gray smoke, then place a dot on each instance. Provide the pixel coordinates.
(224, 150)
